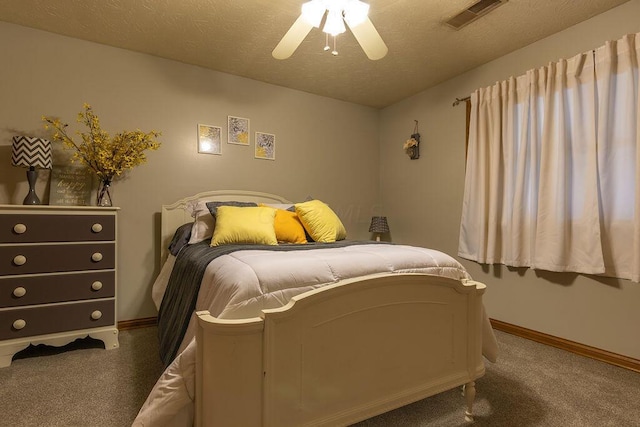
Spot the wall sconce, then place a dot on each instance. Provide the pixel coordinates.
(412, 145)
(378, 226)
(31, 153)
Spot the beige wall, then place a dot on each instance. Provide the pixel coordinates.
(423, 199)
(324, 148)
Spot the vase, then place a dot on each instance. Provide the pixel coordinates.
(103, 197)
(413, 152)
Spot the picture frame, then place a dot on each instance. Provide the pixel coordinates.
(71, 185)
(265, 146)
(209, 139)
(238, 130)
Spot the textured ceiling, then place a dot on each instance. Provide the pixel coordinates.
(237, 37)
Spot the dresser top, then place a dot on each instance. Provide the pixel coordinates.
(52, 208)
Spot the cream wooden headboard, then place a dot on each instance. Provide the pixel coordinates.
(178, 213)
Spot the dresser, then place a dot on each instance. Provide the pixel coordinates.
(57, 276)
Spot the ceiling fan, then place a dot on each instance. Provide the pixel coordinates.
(338, 12)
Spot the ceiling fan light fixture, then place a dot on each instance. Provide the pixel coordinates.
(334, 24)
(355, 12)
(313, 11)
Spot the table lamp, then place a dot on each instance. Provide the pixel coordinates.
(32, 153)
(378, 226)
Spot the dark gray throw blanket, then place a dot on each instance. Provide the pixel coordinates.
(181, 295)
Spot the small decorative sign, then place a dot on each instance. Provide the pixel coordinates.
(70, 186)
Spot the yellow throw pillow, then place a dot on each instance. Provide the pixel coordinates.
(322, 224)
(252, 225)
(288, 227)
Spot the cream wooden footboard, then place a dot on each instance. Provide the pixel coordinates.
(341, 353)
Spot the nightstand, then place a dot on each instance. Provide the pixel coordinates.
(57, 276)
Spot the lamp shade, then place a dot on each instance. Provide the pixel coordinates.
(30, 152)
(379, 225)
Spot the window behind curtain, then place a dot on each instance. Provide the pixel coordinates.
(553, 167)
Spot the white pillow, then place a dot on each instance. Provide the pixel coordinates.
(203, 224)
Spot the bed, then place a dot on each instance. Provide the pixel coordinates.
(364, 328)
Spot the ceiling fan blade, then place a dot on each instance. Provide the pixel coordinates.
(369, 40)
(292, 39)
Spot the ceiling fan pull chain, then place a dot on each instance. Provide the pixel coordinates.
(326, 42)
(335, 49)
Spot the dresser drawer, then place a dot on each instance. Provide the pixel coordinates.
(29, 290)
(27, 322)
(30, 228)
(49, 258)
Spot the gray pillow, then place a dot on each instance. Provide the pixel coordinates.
(213, 206)
(180, 238)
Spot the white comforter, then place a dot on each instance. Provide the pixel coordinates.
(241, 284)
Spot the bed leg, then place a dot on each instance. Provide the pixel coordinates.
(470, 396)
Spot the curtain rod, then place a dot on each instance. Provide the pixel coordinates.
(459, 100)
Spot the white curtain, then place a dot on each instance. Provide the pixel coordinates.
(553, 167)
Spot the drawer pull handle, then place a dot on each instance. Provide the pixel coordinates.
(96, 228)
(19, 324)
(19, 292)
(19, 260)
(97, 257)
(96, 315)
(19, 228)
(97, 285)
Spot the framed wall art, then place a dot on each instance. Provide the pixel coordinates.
(209, 139)
(265, 146)
(70, 185)
(238, 130)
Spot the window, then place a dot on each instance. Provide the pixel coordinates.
(553, 167)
